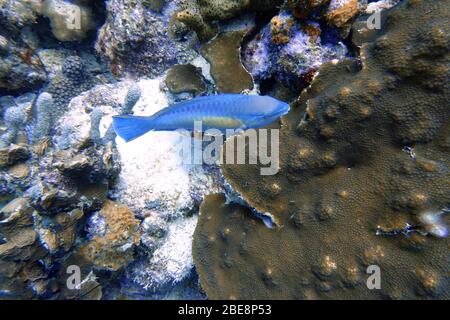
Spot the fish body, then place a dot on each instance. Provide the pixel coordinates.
(226, 111)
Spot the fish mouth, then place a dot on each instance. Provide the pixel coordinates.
(282, 112)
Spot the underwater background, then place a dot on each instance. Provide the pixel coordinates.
(363, 177)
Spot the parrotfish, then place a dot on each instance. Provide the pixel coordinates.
(224, 111)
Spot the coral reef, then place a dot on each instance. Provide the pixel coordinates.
(223, 53)
(70, 82)
(60, 13)
(363, 158)
(363, 164)
(114, 233)
(20, 67)
(69, 20)
(15, 117)
(44, 118)
(185, 78)
(289, 52)
(136, 40)
(86, 153)
(201, 15)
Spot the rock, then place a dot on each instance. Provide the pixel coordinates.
(60, 234)
(111, 246)
(19, 171)
(223, 53)
(185, 78)
(74, 166)
(13, 154)
(20, 67)
(340, 12)
(171, 262)
(136, 40)
(15, 216)
(59, 13)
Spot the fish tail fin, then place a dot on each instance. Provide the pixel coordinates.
(132, 127)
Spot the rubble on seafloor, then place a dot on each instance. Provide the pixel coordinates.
(360, 159)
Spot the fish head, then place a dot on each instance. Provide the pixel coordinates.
(271, 107)
(265, 110)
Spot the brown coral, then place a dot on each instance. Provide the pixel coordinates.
(227, 70)
(303, 8)
(340, 14)
(349, 195)
(200, 15)
(113, 250)
(280, 29)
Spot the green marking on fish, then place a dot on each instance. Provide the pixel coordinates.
(222, 122)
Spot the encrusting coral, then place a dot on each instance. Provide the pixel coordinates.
(363, 180)
(69, 20)
(73, 80)
(136, 40)
(201, 15)
(289, 51)
(223, 53)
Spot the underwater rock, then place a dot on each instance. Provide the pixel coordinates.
(344, 172)
(114, 233)
(59, 233)
(20, 66)
(15, 117)
(289, 52)
(223, 53)
(44, 117)
(201, 15)
(171, 262)
(20, 251)
(301, 9)
(135, 39)
(340, 12)
(59, 13)
(380, 5)
(13, 154)
(20, 13)
(72, 81)
(185, 78)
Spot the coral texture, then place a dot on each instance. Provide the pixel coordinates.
(289, 52)
(362, 181)
(201, 15)
(226, 68)
(136, 40)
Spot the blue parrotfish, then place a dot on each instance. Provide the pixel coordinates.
(223, 111)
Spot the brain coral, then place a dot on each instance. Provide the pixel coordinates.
(363, 165)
